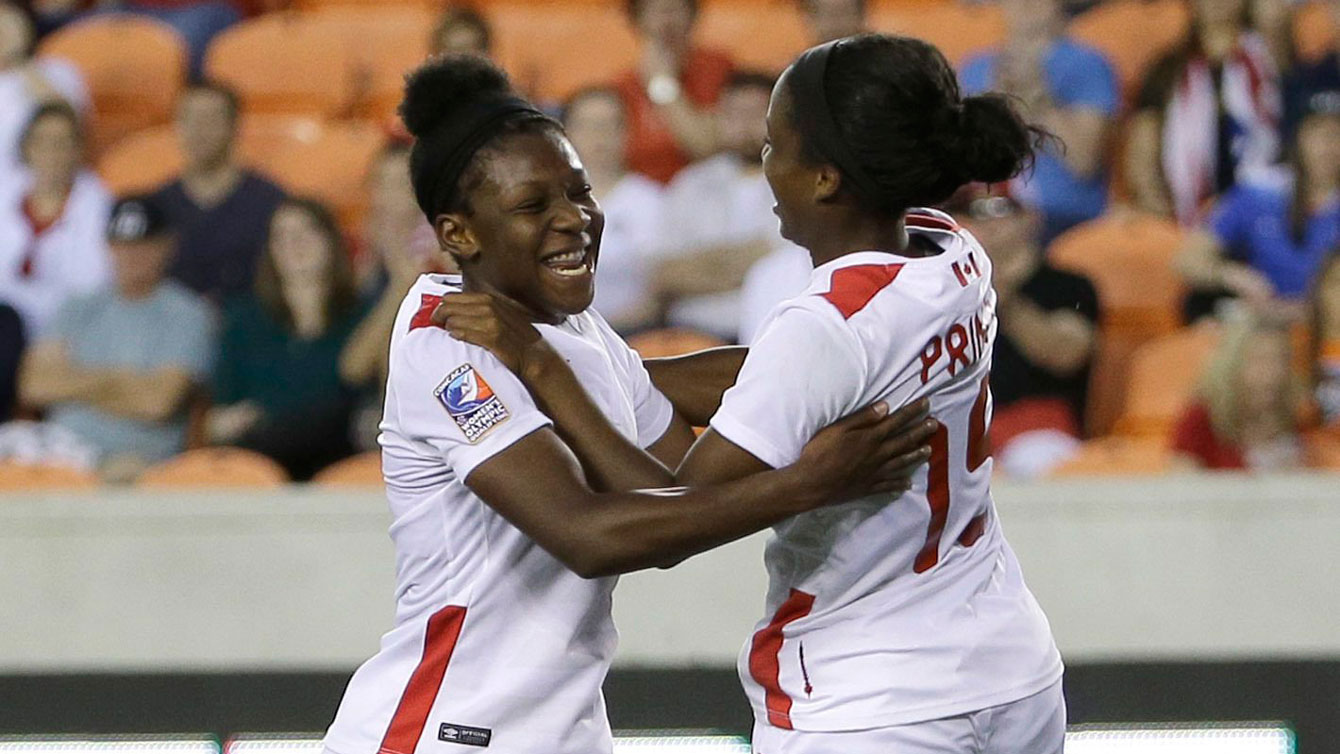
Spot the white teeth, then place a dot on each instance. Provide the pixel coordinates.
(571, 272)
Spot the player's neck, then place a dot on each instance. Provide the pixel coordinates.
(859, 233)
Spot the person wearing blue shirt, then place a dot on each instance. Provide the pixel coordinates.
(1068, 88)
(1268, 236)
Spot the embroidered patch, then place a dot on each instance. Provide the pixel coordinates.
(471, 402)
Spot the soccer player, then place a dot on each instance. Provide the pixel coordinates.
(900, 627)
(506, 544)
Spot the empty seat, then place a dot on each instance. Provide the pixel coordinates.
(215, 468)
(331, 166)
(141, 161)
(22, 477)
(960, 30)
(283, 63)
(362, 470)
(1133, 34)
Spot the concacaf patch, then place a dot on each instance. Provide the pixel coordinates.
(471, 402)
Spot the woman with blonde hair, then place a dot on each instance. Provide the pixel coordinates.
(1247, 407)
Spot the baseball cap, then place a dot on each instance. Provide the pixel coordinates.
(135, 218)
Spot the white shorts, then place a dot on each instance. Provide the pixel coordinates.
(1034, 724)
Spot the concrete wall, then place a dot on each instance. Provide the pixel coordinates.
(301, 579)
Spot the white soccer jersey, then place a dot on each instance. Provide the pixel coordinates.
(884, 612)
(496, 643)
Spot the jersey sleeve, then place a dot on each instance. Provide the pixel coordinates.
(458, 399)
(651, 409)
(804, 372)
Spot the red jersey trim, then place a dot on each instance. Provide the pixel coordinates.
(407, 724)
(853, 287)
(930, 222)
(765, 657)
(424, 316)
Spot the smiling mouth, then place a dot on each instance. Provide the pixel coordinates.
(574, 263)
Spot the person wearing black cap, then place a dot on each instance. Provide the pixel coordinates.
(121, 363)
(506, 544)
(1268, 235)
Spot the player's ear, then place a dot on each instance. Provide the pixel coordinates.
(827, 181)
(455, 237)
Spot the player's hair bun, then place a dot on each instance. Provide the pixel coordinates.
(994, 143)
(435, 90)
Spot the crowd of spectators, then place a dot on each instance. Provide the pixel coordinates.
(221, 308)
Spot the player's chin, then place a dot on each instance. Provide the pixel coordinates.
(570, 294)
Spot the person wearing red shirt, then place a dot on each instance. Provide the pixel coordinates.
(669, 96)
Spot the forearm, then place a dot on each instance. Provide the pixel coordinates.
(1201, 262)
(694, 383)
(1083, 133)
(622, 532)
(693, 129)
(714, 269)
(610, 461)
(1143, 166)
(147, 396)
(1059, 342)
(47, 378)
(363, 358)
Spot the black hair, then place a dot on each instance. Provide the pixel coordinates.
(897, 106)
(585, 93)
(214, 86)
(461, 15)
(747, 79)
(53, 109)
(439, 91)
(634, 7)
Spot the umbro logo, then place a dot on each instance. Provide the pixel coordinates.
(464, 735)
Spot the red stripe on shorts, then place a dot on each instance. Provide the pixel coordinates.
(407, 724)
(765, 657)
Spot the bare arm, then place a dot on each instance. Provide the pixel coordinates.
(363, 358)
(694, 129)
(1084, 133)
(1202, 264)
(47, 376)
(1144, 168)
(713, 269)
(695, 382)
(1058, 341)
(537, 484)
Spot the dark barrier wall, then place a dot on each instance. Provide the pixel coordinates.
(1305, 694)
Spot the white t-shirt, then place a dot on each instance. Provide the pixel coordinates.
(880, 613)
(628, 248)
(714, 202)
(495, 641)
(39, 271)
(783, 273)
(17, 104)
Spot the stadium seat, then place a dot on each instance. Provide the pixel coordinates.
(316, 5)
(1163, 378)
(282, 63)
(960, 30)
(671, 341)
(1128, 256)
(1313, 30)
(134, 68)
(362, 470)
(1323, 449)
(552, 50)
(1133, 34)
(141, 161)
(331, 166)
(765, 39)
(215, 467)
(22, 477)
(1117, 456)
(383, 44)
(260, 137)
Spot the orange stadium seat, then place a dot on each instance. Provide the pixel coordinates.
(1133, 34)
(958, 29)
(141, 161)
(308, 5)
(765, 39)
(362, 470)
(134, 68)
(214, 467)
(1128, 257)
(383, 45)
(552, 50)
(283, 63)
(331, 166)
(22, 477)
(654, 344)
(1163, 378)
(1313, 30)
(262, 136)
(1123, 456)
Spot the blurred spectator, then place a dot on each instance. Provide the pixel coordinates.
(827, 20)
(1245, 415)
(595, 121)
(221, 210)
(784, 273)
(670, 95)
(1268, 235)
(1069, 89)
(401, 246)
(12, 343)
(26, 83)
(1309, 80)
(1326, 339)
(1045, 344)
(718, 217)
(461, 30)
(52, 222)
(121, 365)
(198, 22)
(278, 388)
(1209, 111)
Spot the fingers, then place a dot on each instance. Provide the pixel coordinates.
(904, 465)
(906, 439)
(866, 418)
(912, 412)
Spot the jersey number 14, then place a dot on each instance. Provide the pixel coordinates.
(937, 489)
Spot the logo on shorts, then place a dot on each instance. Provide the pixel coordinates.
(471, 402)
(464, 734)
